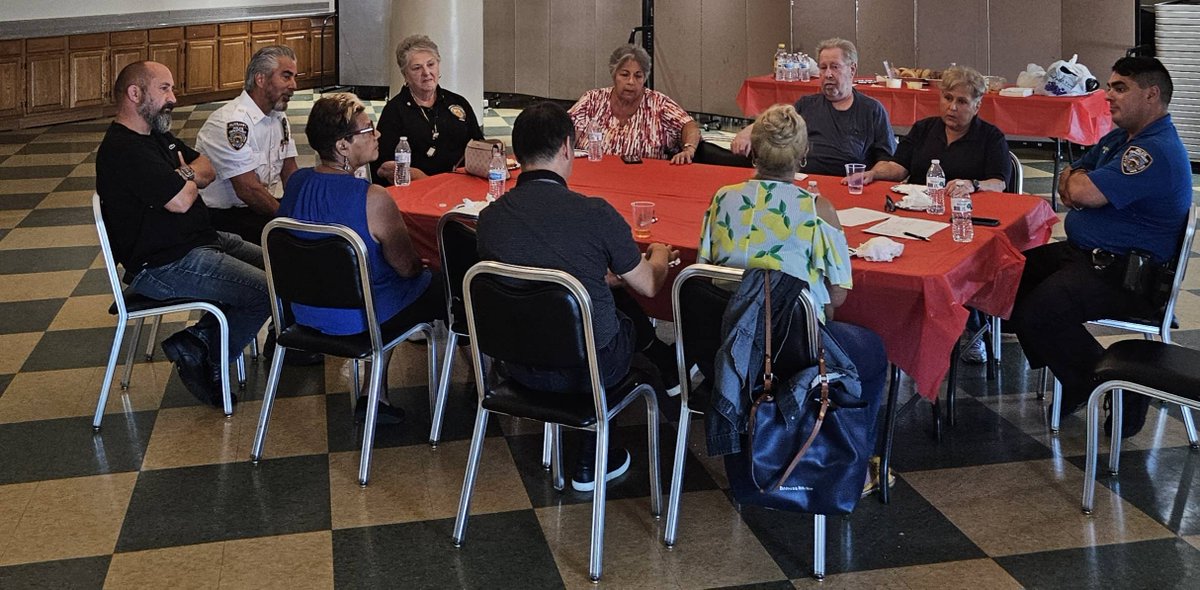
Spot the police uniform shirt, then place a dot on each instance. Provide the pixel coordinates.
(1148, 183)
(438, 135)
(239, 138)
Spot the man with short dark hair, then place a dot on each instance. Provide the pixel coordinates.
(249, 142)
(1130, 194)
(543, 223)
(845, 126)
(149, 182)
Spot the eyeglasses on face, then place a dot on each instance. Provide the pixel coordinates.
(365, 130)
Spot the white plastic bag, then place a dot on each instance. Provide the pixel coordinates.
(1032, 77)
(1068, 78)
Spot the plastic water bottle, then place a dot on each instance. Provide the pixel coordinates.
(595, 145)
(961, 228)
(812, 189)
(496, 173)
(778, 67)
(403, 176)
(935, 187)
(793, 64)
(805, 64)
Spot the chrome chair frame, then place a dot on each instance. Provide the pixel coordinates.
(378, 347)
(124, 315)
(1162, 330)
(603, 413)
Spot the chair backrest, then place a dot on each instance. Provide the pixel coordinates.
(110, 265)
(1016, 180)
(316, 264)
(1181, 264)
(457, 245)
(530, 316)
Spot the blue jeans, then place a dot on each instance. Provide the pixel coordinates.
(229, 274)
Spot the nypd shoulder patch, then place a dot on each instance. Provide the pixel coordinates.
(1135, 160)
(458, 111)
(237, 132)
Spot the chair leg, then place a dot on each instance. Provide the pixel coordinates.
(254, 348)
(936, 408)
(992, 350)
(1093, 449)
(241, 370)
(153, 336)
(819, 546)
(443, 389)
(355, 382)
(226, 394)
(889, 433)
(1045, 379)
(547, 443)
(596, 560)
(1190, 426)
(373, 393)
(1056, 407)
(672, 528)
(553, 436)
(108, 373)
(952, 385)
(652, 429)
(473, 458)
(996, 337)
(133, 344)
(432, 360)
(1118, 415)
(264, 417)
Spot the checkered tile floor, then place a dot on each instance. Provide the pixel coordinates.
(165, 497)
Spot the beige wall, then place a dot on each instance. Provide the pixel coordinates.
(705, 48)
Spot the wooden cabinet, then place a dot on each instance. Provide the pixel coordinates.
(166, 47)
(233, 53)
(12, 78)
(200, 57)
(46, 74)
(88, 59)
(263, 33)
(324, 50)
(126, 47)
(297, 36)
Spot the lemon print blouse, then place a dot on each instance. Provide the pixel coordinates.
(774, 225)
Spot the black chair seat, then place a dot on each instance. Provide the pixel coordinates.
(1147, 320)
(1154, 364)
(356, 346)
(136, 302)
(506, 396)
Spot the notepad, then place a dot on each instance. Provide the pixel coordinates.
(899, 227)
(859, 216)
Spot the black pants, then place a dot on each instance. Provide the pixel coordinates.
(241, 221)
(1060, 291)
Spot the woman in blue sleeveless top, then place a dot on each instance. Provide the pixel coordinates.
(403, 289)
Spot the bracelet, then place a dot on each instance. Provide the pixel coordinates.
(186, 173)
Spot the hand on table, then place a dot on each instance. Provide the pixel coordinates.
(684, 157)
(868, 177)
(959, 188)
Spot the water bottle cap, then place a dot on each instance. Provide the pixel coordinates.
(935, 160)
(405, 138)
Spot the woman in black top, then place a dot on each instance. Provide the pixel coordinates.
(438, 123)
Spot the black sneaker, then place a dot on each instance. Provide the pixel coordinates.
(190, 356)
(387, 415)
(584, 479)
(1133, 418)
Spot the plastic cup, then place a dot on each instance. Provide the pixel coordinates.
(854, 177)
(894, 82)
(643, 218)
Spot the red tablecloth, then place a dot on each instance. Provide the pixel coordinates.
(1081, 119)
(916, 303)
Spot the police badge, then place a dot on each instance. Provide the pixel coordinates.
(237, 132)
(1134, 160)
(458, 111)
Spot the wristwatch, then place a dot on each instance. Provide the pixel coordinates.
(974, 186)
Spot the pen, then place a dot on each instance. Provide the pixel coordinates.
(917, 236)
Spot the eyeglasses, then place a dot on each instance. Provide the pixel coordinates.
(363, 131)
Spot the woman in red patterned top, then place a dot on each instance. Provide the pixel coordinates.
(635, 121)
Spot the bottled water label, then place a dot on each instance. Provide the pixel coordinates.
(960, 206)
(495, 175)
(403, 158)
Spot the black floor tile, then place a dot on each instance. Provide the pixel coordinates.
(58, 216)
(527, 454)
(81, 574)
(909, 531)
(1014, 376)
(982, 437)
(67, 447)
(77, 183)
(188, 505)
(504, 550)
(1164, 483)
(778, 585)
(1163, 563)
(37, 260)
(84, 127)
(28, 316)
(12, 137)
(26, 172)
(457, 424)
(21, 201)
(94, 282)
(63, 147)
(72, 349)
(4, 381)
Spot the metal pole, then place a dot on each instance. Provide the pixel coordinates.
(648, 36)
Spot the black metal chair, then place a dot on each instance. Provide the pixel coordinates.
(326, 266)
(541, 317)
(1159, 370)
(128, 305)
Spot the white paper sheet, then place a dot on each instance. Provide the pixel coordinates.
(859, 216)
(898, 227)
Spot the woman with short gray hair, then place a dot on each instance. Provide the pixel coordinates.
(635, 121)
(437, 123)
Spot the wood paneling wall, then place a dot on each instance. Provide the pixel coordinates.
(705, 48)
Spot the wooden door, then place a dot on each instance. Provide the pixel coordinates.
(201, 73)
(89, 79)
(12, 86)
(46, 82)
(234, 55)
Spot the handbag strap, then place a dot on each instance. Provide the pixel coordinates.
(816, 427)
(768, 374)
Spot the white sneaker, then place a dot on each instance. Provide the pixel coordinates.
(974, 354)
(618, 464)
(694, 379)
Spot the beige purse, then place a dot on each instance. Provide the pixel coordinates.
(478, 156)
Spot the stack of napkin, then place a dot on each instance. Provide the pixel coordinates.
(879, 249)
(915, 197)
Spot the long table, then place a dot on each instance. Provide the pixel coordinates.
(916, 303)
(1080, 119)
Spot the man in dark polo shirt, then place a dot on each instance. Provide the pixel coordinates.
(543, 223)
(149, 182)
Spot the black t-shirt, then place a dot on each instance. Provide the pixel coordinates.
(981, 154)
(544, 224)
(450, 114)
(135, 177)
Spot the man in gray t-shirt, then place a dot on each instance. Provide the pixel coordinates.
(844, 126)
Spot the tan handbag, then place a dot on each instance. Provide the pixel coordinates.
(478, 156)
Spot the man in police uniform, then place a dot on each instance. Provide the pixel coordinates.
(250, 144)
(1130, 192)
